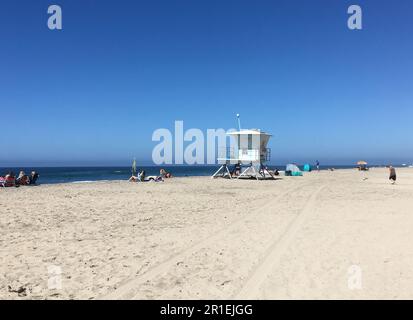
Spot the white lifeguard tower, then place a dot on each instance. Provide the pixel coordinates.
(250, 151)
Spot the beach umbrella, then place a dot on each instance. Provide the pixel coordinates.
(134, 167)
(362, 163)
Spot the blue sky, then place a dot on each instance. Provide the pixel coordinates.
(94, 92)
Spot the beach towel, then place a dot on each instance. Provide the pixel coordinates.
(8, 182)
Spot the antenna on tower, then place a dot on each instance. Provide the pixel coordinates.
(239, 122)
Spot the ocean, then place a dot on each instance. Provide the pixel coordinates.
(52, 175)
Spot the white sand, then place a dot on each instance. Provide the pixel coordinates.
(201, 238)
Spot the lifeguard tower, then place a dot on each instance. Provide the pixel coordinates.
(250, 150)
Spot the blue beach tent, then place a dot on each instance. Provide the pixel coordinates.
(293, 170)
(307, 168)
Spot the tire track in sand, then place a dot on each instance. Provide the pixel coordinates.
(125, 290)
(251, 288)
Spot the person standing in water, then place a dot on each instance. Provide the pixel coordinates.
(393, 176)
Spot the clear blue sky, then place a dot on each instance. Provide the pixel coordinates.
(93, 93)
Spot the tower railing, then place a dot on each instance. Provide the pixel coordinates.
(247, 155)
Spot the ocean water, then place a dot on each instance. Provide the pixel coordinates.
(51, 175)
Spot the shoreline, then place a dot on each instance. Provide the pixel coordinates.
(195, 175)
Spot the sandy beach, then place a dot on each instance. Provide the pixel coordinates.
(197, 238)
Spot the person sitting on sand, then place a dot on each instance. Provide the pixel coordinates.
(9, 180)
(22, 179)
(141, 176)
(237, 170)
(2, 181)
(133, 179)
(21, 175)
(9, 175)
(33, 178)
(263, 169)
(164, 174)
(393, 176)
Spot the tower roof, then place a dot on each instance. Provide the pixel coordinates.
(249, 131)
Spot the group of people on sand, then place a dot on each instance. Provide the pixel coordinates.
(392, 174)
(10, 180)
(236, 170)
(141, 176)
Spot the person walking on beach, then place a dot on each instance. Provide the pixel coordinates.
(393, 176)
(317, 164)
